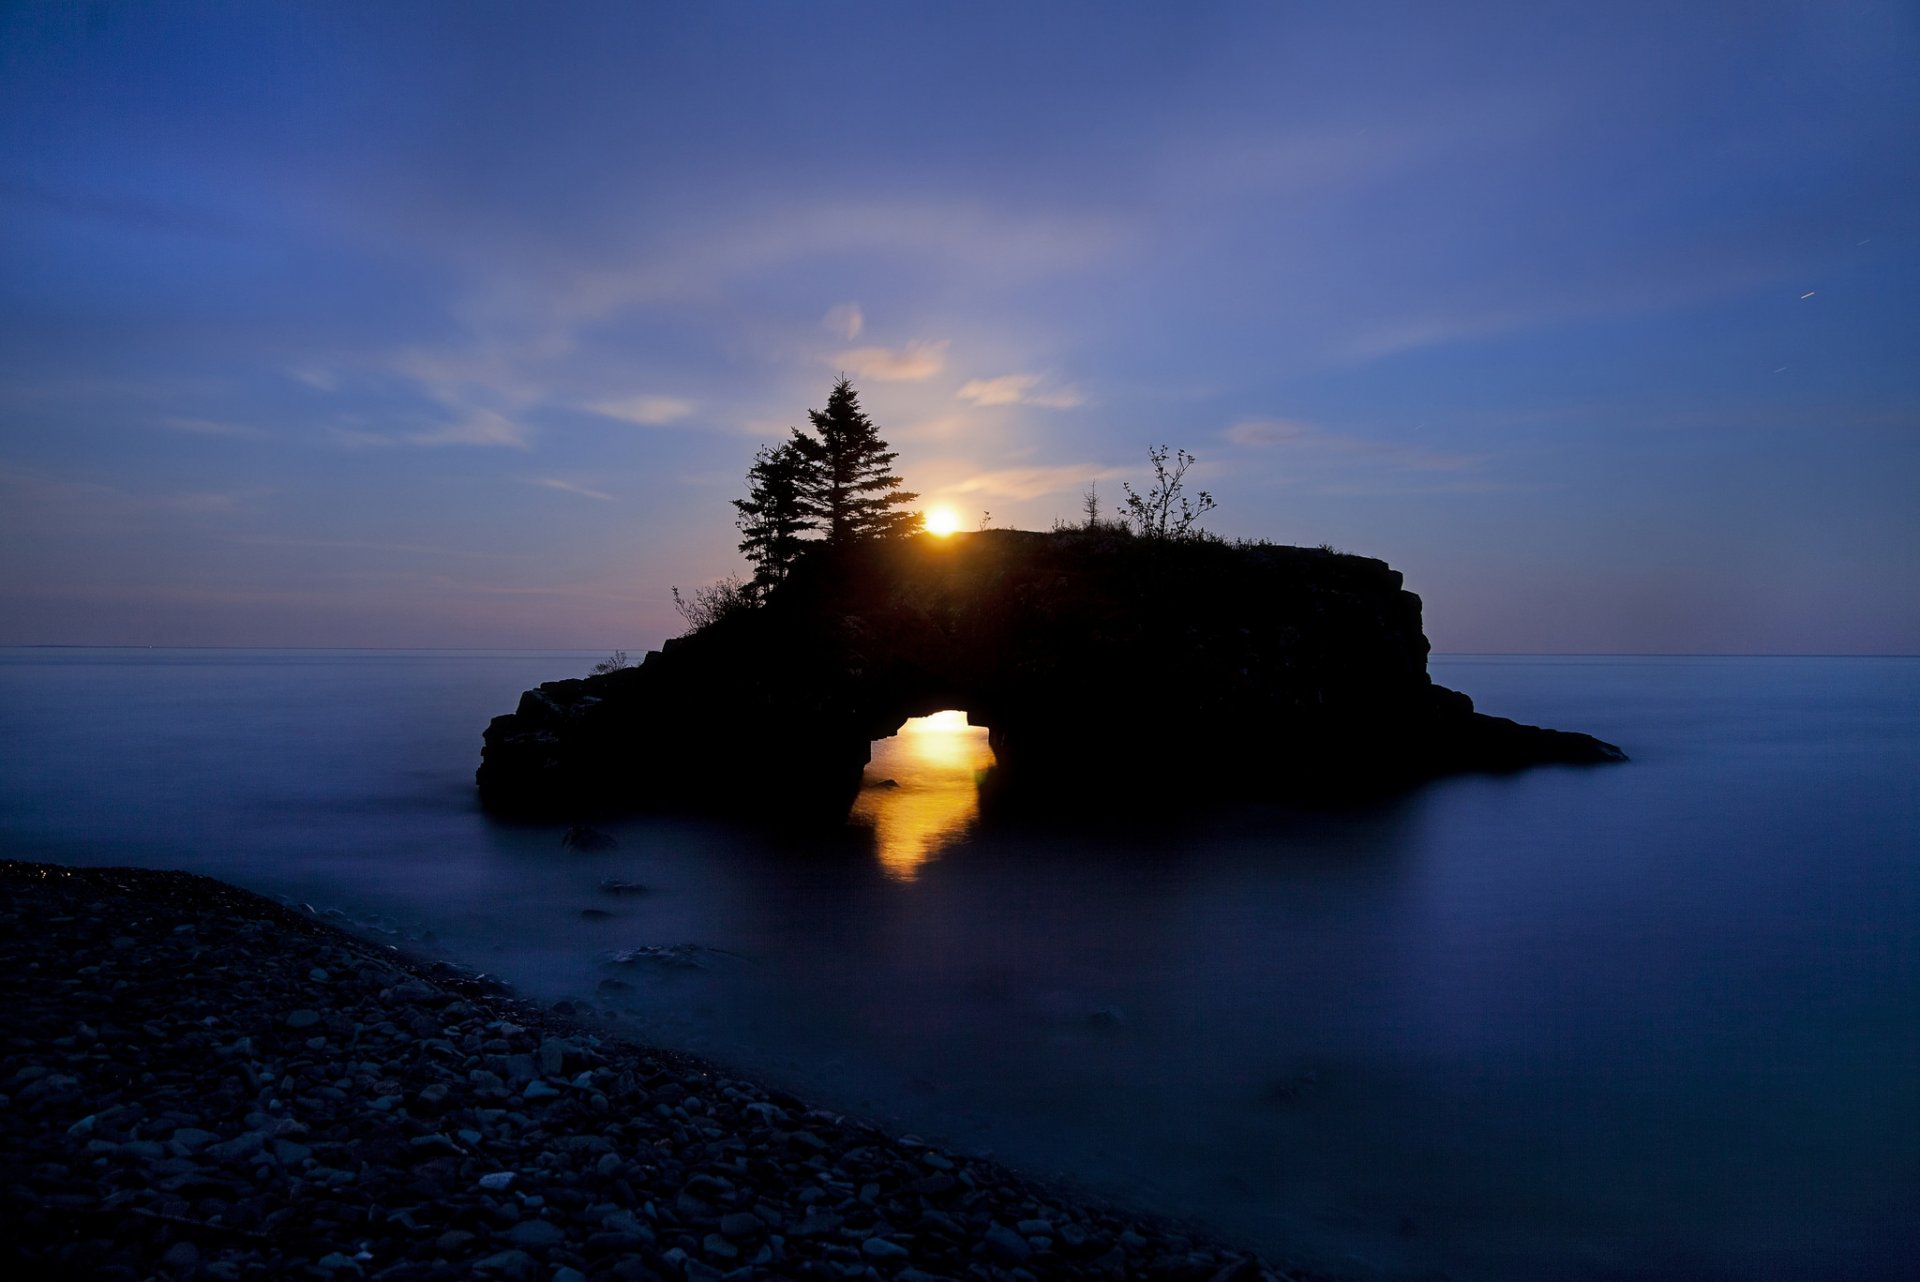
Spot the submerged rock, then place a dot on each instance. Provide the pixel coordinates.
(667, 956)
(582, 838)
(614, 886)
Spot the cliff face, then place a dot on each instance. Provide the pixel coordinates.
(1099, 662)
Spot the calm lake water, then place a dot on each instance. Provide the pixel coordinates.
(1652, 1021)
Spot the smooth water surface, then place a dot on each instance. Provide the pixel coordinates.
(1656, 1021)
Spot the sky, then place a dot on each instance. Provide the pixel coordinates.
(459, 325)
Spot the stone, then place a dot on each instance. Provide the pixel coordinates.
(878, 1248)
(1005, 1245)
(817, 1223)
(515, 1266)
(740, 1224)
(536, 1233)
(239, 1148)
(498, 1181)
(417, 992)
(302, 1018)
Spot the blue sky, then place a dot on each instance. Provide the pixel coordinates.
(459, 325)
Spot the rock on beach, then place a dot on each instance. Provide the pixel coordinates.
(197, 1082)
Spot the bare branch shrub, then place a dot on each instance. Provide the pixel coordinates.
(1164, 511)
(706, 606)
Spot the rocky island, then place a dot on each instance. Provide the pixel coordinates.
(1102, 663)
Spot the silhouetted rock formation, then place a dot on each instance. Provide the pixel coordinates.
(1101, 664)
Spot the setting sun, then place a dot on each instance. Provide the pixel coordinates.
(942, 521)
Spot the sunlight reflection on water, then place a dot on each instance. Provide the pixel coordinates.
(922, 790)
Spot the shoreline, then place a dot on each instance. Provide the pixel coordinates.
(199, 1081)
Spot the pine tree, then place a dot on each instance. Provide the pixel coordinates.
(847, 489)
(772, 517)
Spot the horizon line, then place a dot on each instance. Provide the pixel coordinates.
(561, 649)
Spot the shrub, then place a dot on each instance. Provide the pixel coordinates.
(704, 607)
(1164, 511)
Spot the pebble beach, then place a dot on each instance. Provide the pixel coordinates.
(199, 1082)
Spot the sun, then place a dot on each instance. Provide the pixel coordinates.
(942, 521)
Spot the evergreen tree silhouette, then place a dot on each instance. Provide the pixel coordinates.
(847, 488)
(773, 517)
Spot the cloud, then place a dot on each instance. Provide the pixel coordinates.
(647, 411)
(1031, 482)
(365, 545)
(101, 505)
(1019, 389)
(1261, 432)
(1312, 440)
(454, 373)
(482, 427)
(845, 321)
(209, 427)
(942, 427)
(704, 260)
(1061, 398)
(315, 376)
(209, 502)
(570, 487)
(910, 364)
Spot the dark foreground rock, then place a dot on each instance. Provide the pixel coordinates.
(1103, 665)
(196, 1082)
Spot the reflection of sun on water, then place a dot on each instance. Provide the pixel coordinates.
(935, 763)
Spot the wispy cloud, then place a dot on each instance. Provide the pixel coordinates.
(480, 427)
(647, 411)
(845, 321)
(482, 369)
(570, 487)
(982, 240)
(1019, 389)
(939, 427)
(1261, 432)
(367, 545)
(209, 502)
(1311, 439)
(909, 364)
(103, 504)
(209, 427)
(1031, 482)
(318, 377)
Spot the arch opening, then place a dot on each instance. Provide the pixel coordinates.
(920, 794)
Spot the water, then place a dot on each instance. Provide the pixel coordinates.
(1661, 1020)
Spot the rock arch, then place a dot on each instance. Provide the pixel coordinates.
(1097, 661)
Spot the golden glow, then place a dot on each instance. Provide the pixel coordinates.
(935, 764)
(942, 520)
